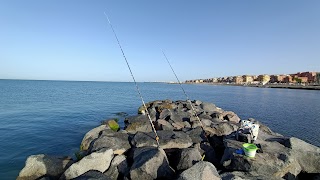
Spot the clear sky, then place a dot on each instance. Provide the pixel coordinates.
(71, 39)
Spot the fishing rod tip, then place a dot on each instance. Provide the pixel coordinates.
(107, 16)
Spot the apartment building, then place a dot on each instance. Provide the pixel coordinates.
(247, 79)
(263, 78)
(237, 79)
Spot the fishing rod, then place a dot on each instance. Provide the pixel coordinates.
(188, 100)
(134, 80)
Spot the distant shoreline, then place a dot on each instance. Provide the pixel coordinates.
(283, 86)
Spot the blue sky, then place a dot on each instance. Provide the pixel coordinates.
(71, 40)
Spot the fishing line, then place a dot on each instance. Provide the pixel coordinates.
(134, 80)
(188, 100)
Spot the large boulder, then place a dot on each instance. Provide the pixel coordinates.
(164, 125)
(208, 107)
(44, 165)
(117, 141)
(99, 161)
(206, 122)
(201, 171)
(150, 163)
(178, 125)
(221, 129)
(179, 116)
(307, 155)
(92, 175)
(140, 123)
(167, 139)
(239, 175)
(165, 113)
(197, 135)
(188, 157)
(91, 136)
(118, 168)
(231, 116)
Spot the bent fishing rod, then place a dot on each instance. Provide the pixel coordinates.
(188, 100)
(134, 80)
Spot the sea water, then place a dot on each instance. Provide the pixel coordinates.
(51, 117)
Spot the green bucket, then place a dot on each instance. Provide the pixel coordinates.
(250, 149)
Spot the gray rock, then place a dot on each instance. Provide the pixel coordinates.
(198, 103)
(99, 161)
(221, 129)
(206, 122)
(167, 139)
(91, 136)
(238, 175)
(44, 165)
(188, 157)
(231, 116)
(165, 113)
(117, 141)
(217, 115)
(196, 135)
(139, 123)
(165, 125)
(200, 171)
(193, 116)
(186, 124)
(150, 163)
(119, 166)
(92, 175)
(300, 145)
(179, 116)
(152, 113)
(178, 125)
(208, 107)
(307, 155)
(196, 124)
(204, 116)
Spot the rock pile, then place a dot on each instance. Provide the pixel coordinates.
(186, 152)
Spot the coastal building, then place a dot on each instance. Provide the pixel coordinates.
(287, 79)
(237, 80)
(301, 79)
(199, 81)
(264, 78)
(214, 80)
(277, 78)
(247, 79)
(317, 79)
(310, 75)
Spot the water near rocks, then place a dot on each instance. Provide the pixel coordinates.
(52, 117)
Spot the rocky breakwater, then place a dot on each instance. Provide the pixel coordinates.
(186, 152)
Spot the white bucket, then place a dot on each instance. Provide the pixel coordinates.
(250, 150)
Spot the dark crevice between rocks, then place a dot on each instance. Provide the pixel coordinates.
(311, 176)
(91, 144)
(186, 119)
(129, 155)
(165, 176)
(173, 156)
(157, 113)
(217, 143)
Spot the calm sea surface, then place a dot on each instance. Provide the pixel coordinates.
(52, 117)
